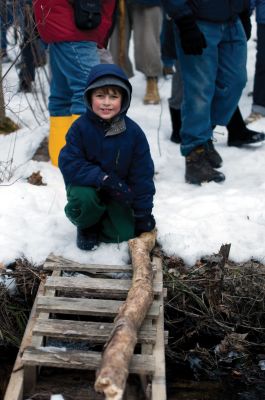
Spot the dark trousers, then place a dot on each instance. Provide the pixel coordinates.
(32, 50)
(259, 79)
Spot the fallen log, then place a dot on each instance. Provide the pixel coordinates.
(113, 373)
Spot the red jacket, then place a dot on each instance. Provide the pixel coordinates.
(55, 22)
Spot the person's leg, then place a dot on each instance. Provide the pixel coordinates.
(59, 106)
(84, 209)
(59, 103)
(213, 82)
(198, 77)
(120, 37)
(167, 45)
(27, 70)
(110, 221)
(147, 22)
(174, 103)
(76, 66)
(239, 134)
(231, 73)
(117, 224)
(6, 20)
(259, 78)
(70, 64)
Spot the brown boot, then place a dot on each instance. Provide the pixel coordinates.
(151, 95)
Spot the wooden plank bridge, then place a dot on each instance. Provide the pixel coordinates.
(77, 304)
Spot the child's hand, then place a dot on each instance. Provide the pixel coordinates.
(117, 189)
(144, 223)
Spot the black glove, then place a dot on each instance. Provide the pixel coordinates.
(117, 189)
(192, 39)
(246, 22)
(145, 223)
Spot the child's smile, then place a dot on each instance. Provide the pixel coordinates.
(106, 104)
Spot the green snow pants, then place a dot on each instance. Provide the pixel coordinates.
(86, 207)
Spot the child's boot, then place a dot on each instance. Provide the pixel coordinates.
(58, 128)
(87, 238)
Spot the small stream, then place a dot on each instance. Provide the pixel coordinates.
(181, 385)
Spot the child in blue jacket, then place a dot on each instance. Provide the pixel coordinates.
(107, 165)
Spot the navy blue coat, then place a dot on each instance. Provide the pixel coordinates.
(208, 10)
(95, 148)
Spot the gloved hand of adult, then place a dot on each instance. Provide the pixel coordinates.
(246, 22)
(192, 39)
(117, 189)
(145, 223)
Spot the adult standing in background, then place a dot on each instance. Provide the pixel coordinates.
(144, 19)
(6, 20)
(258, 105)
(238, 133)
(212, 52)
(72, 53)
(33, 52)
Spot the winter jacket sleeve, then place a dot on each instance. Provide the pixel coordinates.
(140, 177)
(73, 163)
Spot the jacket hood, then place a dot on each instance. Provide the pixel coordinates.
(108, 75)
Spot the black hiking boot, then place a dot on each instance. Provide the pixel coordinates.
(213, 157)
(176, 125)
(238, 134)
(87, 238)
(199, 170)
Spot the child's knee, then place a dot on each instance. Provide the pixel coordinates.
(84, 207)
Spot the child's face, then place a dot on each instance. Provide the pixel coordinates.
(106, 102)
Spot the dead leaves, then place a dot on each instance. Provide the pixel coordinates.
(36, 179)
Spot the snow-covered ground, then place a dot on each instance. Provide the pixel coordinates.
(192, 220)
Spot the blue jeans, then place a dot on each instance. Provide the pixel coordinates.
(212, 82)
(70, 64)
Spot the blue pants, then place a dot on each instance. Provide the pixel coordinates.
(70, 64)
(212, 82)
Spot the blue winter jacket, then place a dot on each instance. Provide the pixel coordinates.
(208, 10)
(95, 147)
(260, 10)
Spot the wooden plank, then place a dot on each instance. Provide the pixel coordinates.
(95, 285)
(56, 263)
(90, 360)
(159, 376)
(30, 372)
(14, 390)
(98, 332)
(80, 306)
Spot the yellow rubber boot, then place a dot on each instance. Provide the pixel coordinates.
(58, 128)
(75, 116)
